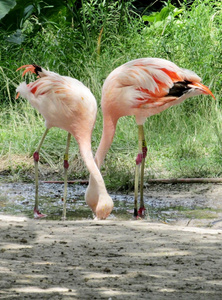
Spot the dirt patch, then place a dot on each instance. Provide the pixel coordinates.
(172, 255)
(108, 260)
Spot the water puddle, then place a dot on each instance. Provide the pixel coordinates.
(197, 205)
(18, 198)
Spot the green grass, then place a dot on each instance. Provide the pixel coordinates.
(184, 141)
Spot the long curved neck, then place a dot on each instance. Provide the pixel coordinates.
(87, 155)
(109, 128)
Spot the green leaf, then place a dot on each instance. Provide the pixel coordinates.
(163, 14)
(150, 18)
(154, 17)
(177, 11)
(6, 6)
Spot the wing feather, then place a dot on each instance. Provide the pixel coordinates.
(153, 78)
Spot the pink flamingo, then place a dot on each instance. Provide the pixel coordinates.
(67, 103)
(141, 87)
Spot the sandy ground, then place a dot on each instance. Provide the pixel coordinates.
(115, 259)
(43, 259)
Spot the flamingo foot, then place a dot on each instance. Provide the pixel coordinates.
(38, 215)
(138, 214)
(142, 212)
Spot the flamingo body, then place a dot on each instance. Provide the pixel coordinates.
(67, 103)
(64, 102)
(143, 87)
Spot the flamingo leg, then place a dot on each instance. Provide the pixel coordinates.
(141, 212)
(136, 185)
(139, 160)
(66, 166)
(37, 214)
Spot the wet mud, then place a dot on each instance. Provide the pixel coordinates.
(185, 204)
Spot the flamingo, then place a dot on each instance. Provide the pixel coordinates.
(142, 87)
(66, 103)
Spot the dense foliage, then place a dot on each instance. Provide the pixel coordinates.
(87, 40)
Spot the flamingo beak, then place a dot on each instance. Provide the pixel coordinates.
(28, 68)
(203, 88)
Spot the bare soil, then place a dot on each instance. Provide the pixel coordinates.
(177, 255)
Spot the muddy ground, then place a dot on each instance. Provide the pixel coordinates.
(174, 254)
